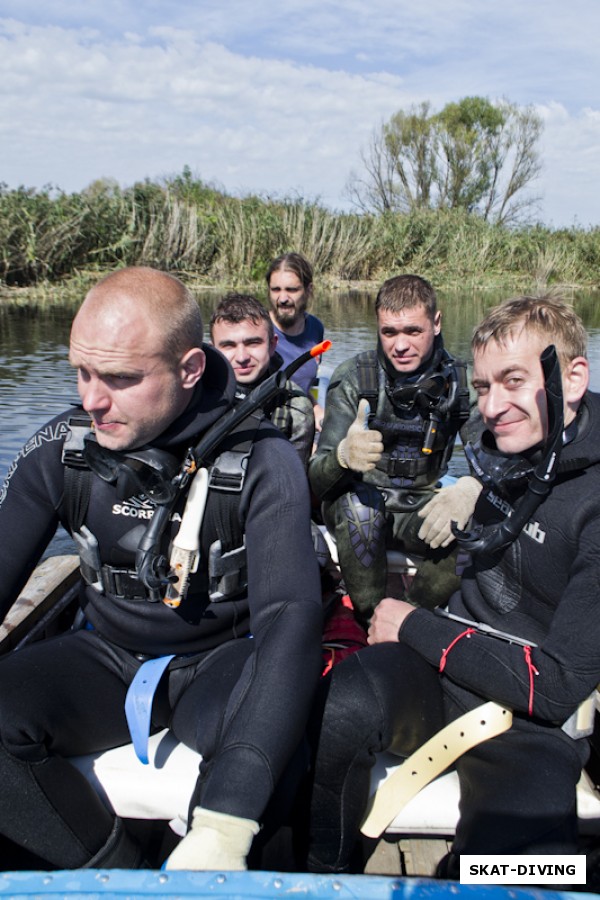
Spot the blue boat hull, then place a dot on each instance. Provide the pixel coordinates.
(91, 883)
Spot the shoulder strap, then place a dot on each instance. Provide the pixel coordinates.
(78, 478)
(228, 470)
(279, 412)
(78, 489)
(368, 380)
(459, 401)
(226, 480)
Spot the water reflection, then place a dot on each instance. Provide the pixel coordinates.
(35, 378)
(36, 381)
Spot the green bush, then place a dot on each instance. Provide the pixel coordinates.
(186, 226)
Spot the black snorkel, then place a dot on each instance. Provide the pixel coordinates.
(433, 401)
(494, 538)
(152, 566)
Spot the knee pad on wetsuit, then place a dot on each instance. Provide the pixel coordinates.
(360, 524)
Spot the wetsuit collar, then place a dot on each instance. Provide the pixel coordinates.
(275, 364)
(213, 395)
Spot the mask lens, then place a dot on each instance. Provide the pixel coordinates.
(403, 395)
(493, 468)
(152, 478)
(148, 472)
(423, 394)
(101, 462)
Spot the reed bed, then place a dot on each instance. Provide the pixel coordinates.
(210, 238)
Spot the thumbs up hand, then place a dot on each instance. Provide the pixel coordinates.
(361, 449)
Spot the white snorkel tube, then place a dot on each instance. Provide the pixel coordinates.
(185, 550)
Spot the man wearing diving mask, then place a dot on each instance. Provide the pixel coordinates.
(522, 631)
(151, 392)
(391, 420)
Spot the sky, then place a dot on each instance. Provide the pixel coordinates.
(279, 97)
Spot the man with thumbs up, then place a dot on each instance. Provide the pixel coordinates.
(391, 420)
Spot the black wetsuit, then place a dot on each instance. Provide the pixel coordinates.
(241, 685)
(518, 789)
(292, 412)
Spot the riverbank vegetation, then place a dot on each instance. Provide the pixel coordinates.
(183, 225)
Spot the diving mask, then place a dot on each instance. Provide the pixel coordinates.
(145, 471)
(494, 469)
(423, 394)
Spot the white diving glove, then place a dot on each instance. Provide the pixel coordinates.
(215, 841)
(454, 503)
(361, 449)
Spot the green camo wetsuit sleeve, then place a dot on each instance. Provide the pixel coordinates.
(328, 478)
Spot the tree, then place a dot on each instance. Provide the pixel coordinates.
(473, 155)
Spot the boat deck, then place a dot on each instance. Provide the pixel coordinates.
(408, 856)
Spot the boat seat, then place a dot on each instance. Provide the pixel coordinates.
(162, 789)
(159, 790)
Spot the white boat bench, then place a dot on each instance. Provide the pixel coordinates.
(162, 789)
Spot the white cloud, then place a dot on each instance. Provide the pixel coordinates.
(571, 153)
(162, 106)
(279, 97)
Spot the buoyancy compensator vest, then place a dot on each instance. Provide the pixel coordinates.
(224, 574)
(428, 409)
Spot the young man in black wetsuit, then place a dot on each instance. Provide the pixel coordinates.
(150, 389)
(536, 582)
(241, 328)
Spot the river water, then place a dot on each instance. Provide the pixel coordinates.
(36, 381)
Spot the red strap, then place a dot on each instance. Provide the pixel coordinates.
(532, 671)
(526, 652)
(329, 663)
(467, 633)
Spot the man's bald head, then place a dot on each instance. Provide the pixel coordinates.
(158, 297)
(136, 343)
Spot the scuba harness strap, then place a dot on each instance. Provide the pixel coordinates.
(227, 567)
(76, 499)
(441, 397)
(138, 702)
(280, 415)
(226, 554)
(78, 484)
(367, 367)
